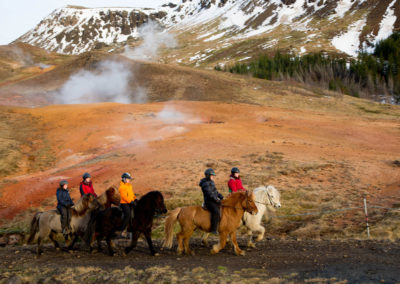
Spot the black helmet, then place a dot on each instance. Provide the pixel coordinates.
(126, 175)
(235, 170)
(209, 172)
(86, 175)
(63, 182)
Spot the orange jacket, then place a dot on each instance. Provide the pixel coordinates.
(126, 193)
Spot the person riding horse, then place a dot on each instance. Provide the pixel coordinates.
(235, 183)
(86, 186)
(64, 203)
(128, 198)
(212, 198)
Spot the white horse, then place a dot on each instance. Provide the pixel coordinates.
(267, 198)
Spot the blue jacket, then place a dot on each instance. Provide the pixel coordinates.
(63, 198)
(210, 192)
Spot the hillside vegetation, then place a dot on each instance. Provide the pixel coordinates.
(375, 75)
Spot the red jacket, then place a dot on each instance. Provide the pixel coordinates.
(235, 184)
(86, 189)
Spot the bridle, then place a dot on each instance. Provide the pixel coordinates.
(269, 199)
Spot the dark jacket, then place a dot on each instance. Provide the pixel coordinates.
(63, 198)
(210, 192)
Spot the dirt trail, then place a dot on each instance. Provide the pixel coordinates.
(276, 260)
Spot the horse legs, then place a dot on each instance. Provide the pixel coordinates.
(204, 240)
(73, 241)
(186, 240)
(39, 249)
(222, 242)
(99, 238)
(135, 237)
(147, 234)
(260, 236)
(238, 251)
(109, 245)
(51, 236)
(179, 238)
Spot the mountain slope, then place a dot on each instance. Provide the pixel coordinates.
(211, 31)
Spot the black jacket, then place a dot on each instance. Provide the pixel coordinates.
(210, 192)
(63, 198)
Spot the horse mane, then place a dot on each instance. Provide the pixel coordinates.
(234, 198)
(81, 205)
(149, 196)
(105, 199)
(102, 199)
(260, 194)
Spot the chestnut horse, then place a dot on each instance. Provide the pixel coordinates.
(193, 217)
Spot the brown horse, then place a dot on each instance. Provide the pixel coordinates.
(109, 197)
(193, 217)
(48, 224)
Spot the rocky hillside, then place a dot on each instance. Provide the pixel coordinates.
(211, 31)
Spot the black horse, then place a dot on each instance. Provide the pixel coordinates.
(108, 221)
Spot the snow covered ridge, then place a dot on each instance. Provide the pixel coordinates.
(220, 23)
(77, 30)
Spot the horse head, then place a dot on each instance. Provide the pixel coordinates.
(160, 205)
(274, 197)
(249, 204)
(92, 202)
(88, 201)
(153, 200)
(113, 196)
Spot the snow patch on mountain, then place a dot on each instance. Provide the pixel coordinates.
(349, 42)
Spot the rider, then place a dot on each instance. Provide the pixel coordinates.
(64, 203)
(127, 198)
(235, 183)
(86, 185)
(212, 198)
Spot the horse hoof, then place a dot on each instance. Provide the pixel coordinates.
(241, 252)
(259, 239)
(156, 254)
(179, 253)
(213, 251)
(205, 244)
(192, 253)
(251, 245)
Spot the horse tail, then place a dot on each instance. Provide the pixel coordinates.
(34, 227)
(169, 227)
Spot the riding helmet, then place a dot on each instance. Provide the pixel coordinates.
(63, 182)
(126, 175)
(235, 170)
(86, 175)
(209, 172)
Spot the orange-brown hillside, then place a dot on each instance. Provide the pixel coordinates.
(322, 150)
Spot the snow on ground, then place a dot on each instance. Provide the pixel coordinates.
(387, 23)
(349, 42)
(342, 7)
(215, 37)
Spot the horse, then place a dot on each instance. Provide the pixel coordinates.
(266, 198)
(193, 217)
(110, 220)
(109, 197)
(48, 223)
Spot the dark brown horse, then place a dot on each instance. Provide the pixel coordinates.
(110, 220)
